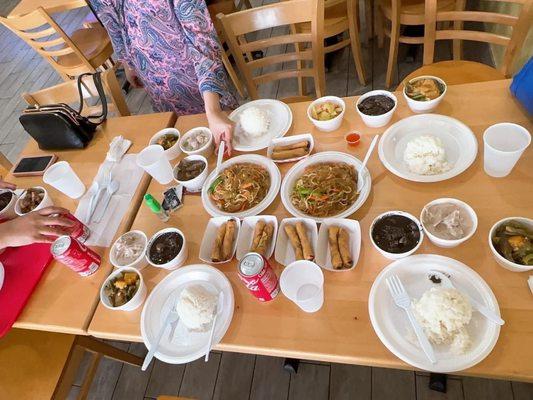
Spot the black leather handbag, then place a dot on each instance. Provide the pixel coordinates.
(59, 127)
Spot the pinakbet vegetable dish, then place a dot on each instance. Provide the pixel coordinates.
(122, 288)
(514, 242)
(167, 141)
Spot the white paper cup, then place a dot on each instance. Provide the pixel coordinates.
(503, 145)
(153, 160)
(62, 177)
(303, 283)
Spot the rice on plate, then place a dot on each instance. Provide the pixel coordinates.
(425, 155)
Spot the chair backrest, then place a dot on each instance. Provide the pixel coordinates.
(285, 13)
(519, 24)
(46, 37)
(67, 92)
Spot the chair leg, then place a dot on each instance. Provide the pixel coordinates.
(355, 42)
(107, 350)
(393, 51)
(369, 20)
(380, 20)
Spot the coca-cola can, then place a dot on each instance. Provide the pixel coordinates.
(79, 231)
(75, 255)
(258, 276)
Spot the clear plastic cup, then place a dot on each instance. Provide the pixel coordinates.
(503, 145)
(153, 160)
(62, 177)
(303, 283)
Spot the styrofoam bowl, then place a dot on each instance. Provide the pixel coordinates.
(377, 121)
(418, 106)
(206, 150)
(175, 150)
(326, 156)
(332, 124)
(275, 182)
(449, 243)
(46, 202)
(140, 262)
(8, 212)
(194, 184)
(135, 301)
(396, 256)
(177, 261)
(505, 263)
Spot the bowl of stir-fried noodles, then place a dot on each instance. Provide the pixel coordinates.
(325, 186)
(244, 186)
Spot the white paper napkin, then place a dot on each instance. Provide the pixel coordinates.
(128, 174)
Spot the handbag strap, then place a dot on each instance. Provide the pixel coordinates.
(97, 79)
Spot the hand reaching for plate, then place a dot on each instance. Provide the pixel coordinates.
(222, 128)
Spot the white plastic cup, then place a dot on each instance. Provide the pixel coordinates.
(62, 177)
(503, 145)
(153, 160)
(303, 283)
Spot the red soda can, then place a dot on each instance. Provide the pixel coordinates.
(258, 276)
(75, 255)
(79, 231)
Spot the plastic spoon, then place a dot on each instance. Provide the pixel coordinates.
(112, 188)
(94, 191)
(220, 156)
(218, 307)
(365, 161)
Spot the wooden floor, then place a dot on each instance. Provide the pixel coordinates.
(230, 376)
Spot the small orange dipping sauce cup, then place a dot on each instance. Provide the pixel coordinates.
(352, 138)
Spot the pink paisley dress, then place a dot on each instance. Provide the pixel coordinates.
(173, 47)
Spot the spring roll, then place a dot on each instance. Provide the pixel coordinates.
(266, 238)
(290, 230)
(227, 245)
(287, 154)
(307, 248)
(301, 144)
(344, 248)
(258, 232)
(333, 237)
(216, 252)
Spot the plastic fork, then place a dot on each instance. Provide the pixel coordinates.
(402, 300)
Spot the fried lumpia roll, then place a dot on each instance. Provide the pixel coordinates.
(301, 144)
(287, 154)
(216, 252)
(344, 248)
(258, 232)
(290, 230)
(307, 248)
(266, 238)
(229, 236)
(333, 237)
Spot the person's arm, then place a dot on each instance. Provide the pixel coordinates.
(34, 227)
(109, 13)
(204, 48)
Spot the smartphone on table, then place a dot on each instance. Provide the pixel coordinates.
(33, 165)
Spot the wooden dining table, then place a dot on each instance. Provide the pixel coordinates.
(341, 330)
(51, 6)
(63, 301)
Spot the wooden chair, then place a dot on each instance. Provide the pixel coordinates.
(85, 50)
(285, 13)
(225, 7)
(67, 92)
(341, 18)
(457, 72)
(43, 365)
(398, 13)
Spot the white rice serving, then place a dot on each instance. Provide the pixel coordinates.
(254, 121)
(425, 155)
(195, 308)
(444, 314)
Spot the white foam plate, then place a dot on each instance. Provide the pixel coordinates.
(284, 141)
(458, 140)
(185, 346)
(326, 156)
(209, 238)
(275, 183)
(323, 256)
(392, 326)
(280, 116)
(247, 233)
(284, 252)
